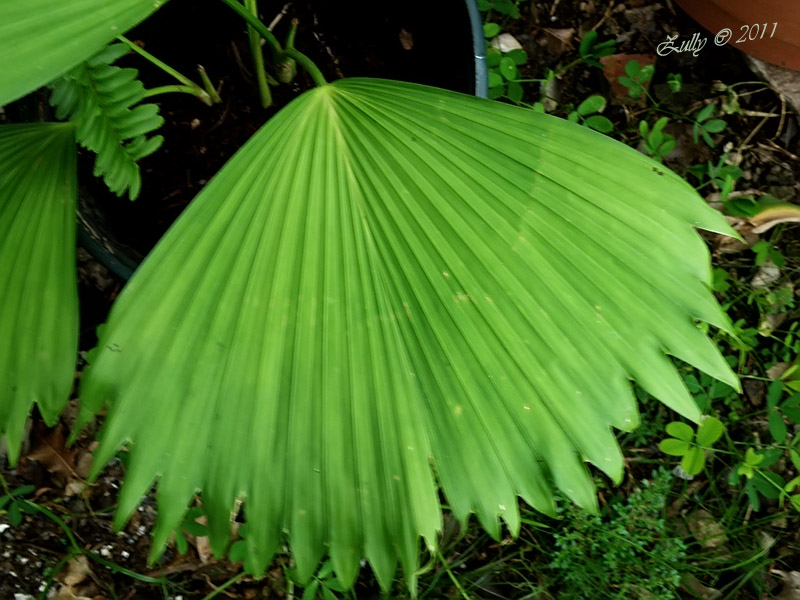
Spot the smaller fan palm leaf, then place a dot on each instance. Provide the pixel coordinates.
(391, 286)
(38, 293)
(40, 39)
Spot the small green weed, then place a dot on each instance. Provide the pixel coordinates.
(705, 124)
(586, 114)
(14, 504)
(690, 445)
(625, 553)
(508, 8)
(636, 78)
(323, 585)
(655, 141)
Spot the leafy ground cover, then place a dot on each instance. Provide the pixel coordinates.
(709, 511)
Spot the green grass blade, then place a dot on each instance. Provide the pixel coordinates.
(389, 286)
(38, 295)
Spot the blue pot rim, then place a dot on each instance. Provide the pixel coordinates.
(479, 50)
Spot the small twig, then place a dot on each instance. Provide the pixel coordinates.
(748, 138)
(605, 16)
(770, 145)
(738, 193)
(783, 117)
(279, 16)
(240, 62)
(758, 113)
(221, 589)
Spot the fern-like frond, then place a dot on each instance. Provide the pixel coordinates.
(38, 287)
(102, 101)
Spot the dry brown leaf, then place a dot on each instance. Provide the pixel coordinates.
(406, 40)
(562, 35)
(693, 584)
(724, 244)
(771, 322)
(614, 68)
(77, 570)
(755, 391)
(774, 215)
(51, 452)
(791, 584)
(75, 488)
(202, 544)
(778, 369)
(768, 273)
(505, 42)
(84, 464)
(706, 529)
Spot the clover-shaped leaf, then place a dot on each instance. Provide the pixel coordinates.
(690, 445)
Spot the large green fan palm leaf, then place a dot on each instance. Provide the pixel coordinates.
(389, 286)
(38, 288)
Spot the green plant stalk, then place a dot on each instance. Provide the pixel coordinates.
(196, 89)
(301, 58)
(307, 64)
(253, 21)
(224, 586)
(453, 578)
(258, 56)
(292, 33)
(169, 89)
(208, 85)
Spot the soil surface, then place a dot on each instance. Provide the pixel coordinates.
(400, 42)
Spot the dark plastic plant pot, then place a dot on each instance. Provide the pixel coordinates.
(447, 50)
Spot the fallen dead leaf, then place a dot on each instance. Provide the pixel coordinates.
(75, 488)
(768, 273)
(202, 544)
(774, 215)
(406, 40)
(693, 584)
(755, 391)
(77, 570)
(84, 464)
(778, 369)
(51, 452)
(560, 40)
(706, 529)
(791, 584)
(505, 42)
(771, 322)
(614, 68)
(724, 244)
(765, 540)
